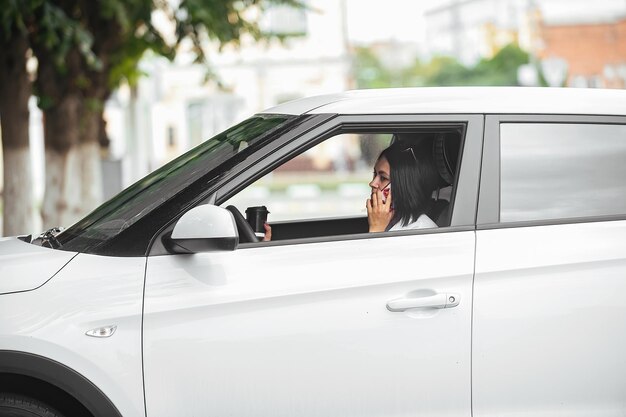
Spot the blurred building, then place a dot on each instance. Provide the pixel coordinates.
(582, 39)
(175, 108)
(394, 54)
(473, 29)
(594, 49)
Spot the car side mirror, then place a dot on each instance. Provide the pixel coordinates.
(205, 228)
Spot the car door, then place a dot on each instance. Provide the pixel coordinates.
(549, 307)
(306, 327)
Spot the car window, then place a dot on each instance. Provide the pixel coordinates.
(562, 170)
(328, 180)
(331, 181)
(141, 199)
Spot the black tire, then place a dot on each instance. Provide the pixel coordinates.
(13, 405)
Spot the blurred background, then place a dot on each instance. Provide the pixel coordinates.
(96, 94)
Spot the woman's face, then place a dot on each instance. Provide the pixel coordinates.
(382, 176)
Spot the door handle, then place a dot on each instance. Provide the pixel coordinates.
(447, 300)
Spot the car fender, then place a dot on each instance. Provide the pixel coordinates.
(25, 267)
(62, 320)
(59, 375)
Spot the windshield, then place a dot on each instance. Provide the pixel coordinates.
(140, 199)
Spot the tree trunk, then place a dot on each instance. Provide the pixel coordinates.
(73, 96)
(61, 132)
(61, 203)
(62, 103)
(90, 167)
(15, 90)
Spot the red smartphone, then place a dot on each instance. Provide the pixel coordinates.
(385, 192)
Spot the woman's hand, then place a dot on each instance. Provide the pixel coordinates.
(379, 214)
(268, 232)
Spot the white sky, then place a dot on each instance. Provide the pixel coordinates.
(402, 20)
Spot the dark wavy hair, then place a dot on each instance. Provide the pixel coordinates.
(414, 177)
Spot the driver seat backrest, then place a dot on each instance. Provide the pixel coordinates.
(445, 154)
(443, 220)
(436, 209)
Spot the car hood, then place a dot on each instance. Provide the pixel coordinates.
(24, 267)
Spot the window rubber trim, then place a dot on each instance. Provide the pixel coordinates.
(358, 236)
(553, 222)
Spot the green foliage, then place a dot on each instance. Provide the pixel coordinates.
(49, 25)
(13, 17)
(117, 11)
(501, 70)
(94, 105)
(129, 23)
(113, 35)
(137, 35)
(52, 28)
(445, 71)
(369, 71)
(44, 102)
(223, 21)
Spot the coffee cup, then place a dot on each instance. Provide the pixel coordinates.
(256, 217)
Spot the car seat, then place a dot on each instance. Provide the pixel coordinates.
(446, 147)
(445, 152)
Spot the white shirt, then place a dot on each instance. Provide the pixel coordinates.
(422, 222)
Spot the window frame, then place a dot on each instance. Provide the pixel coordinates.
(465, 195)
(490, 177)
(156, 247)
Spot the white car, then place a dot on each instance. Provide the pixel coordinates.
(162, 302)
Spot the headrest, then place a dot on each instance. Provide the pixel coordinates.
(446, 165)
(445, 148)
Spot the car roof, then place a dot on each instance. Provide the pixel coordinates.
(435, 100)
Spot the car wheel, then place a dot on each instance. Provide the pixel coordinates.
(13, 405)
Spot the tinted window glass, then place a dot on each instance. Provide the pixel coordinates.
(329, 180)
(552, 171)
(323, 191)
(142, 198)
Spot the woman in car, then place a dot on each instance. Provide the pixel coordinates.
(414, 177)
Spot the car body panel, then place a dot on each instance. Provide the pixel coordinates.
(305, 104)
(549, 311)
(24, 267)
(453, 100)
(549, 320)
(304, 329)
(89, 293)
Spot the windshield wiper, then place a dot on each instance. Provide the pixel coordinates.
(49, 238)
